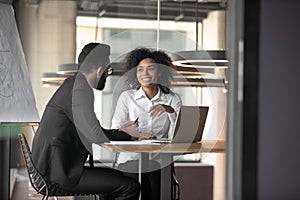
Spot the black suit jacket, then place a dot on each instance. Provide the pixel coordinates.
(66, 132)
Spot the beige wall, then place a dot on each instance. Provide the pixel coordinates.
(48, 36)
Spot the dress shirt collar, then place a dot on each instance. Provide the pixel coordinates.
(141, 94)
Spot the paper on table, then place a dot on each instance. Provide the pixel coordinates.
(136, 142)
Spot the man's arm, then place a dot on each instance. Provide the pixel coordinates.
(115, 134)
(85, 118)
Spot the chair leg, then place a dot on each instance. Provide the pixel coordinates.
(175, 191)
(97, 197)
(45, 197)
(175, 185)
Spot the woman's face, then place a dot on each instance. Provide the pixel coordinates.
(147, 72)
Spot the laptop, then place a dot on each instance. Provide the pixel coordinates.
(189, 125)
(188, 129)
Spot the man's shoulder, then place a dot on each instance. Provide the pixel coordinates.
(68, 82)
(65, 87)
(80, 82)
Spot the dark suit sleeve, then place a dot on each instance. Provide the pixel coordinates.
(85, 120)
(114, 134)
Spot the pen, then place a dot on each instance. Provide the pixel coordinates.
(136, 121)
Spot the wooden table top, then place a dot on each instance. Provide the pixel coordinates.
(213, 146)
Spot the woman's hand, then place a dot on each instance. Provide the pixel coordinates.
(132, 129)
(157, 110)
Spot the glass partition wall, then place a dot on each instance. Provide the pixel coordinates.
(125, 34)
(54, 32)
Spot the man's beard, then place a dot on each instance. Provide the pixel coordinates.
(101, 83)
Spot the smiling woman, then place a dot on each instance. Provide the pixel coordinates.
(147, 74)
(151, 101)
(144, 66)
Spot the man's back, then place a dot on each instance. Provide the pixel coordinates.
(57, 149)
(68, 128)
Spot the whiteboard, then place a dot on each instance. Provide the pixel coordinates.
(17, 102)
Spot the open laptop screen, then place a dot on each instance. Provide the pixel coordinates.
(190, 124)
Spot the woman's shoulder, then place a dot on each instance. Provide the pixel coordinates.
(171, 93)
(128, 93)
(173, 96)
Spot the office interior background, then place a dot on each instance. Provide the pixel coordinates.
(255, 108)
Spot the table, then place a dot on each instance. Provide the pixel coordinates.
(167, 151)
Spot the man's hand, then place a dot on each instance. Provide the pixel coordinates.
(157, 110)
(132, 129)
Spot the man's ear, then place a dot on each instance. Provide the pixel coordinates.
(98, 70)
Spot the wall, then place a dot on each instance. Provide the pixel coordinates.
(48, 33)
(196, 181)
(279, 97)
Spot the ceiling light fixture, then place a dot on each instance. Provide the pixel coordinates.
(54, 77)
(181, 15)
(68, 69)
(200, 59)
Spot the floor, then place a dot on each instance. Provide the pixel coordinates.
(22, 189)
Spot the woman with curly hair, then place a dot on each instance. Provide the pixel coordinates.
(154, 106)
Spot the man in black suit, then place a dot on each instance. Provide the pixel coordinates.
(69, 127)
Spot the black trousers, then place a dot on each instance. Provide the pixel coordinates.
(150, 186)
(101, 180)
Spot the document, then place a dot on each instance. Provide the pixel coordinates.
(136, 142)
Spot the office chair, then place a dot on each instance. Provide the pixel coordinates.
(175, 185)
(38, 182)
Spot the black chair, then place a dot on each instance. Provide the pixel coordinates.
(38, 182)
(175, 185)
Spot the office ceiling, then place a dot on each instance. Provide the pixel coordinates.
(174, 10)
(171, 10)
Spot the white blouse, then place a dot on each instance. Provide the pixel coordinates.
(133, 104)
